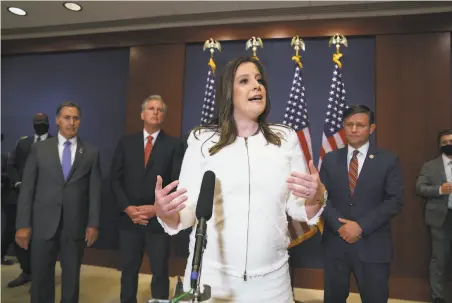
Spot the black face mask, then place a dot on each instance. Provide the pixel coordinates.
(447, 149)
(41, 129)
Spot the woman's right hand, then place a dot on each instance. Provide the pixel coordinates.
(167, 204)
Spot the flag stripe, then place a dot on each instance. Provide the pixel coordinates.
(333, 129)
(304, 144)
(296, 116)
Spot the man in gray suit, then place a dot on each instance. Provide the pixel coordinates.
(59, 206)
(435, 185)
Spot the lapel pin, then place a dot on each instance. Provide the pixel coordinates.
(80, 150)
(371, 156)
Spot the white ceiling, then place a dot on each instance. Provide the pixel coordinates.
(50, 18)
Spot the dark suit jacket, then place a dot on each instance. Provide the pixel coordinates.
(134, 184)
(431, 178)
(19, 157)
(377, 198)
(6, 181)
(44, 194)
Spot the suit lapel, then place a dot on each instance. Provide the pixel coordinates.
(138, 145)
(55, 157)
(369, 165)
(78, 156)
(343, 168)
(27, 146)
(441, 169)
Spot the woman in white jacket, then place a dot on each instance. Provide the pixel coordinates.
(261, 176)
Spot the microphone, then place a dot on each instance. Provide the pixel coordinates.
(203, 214)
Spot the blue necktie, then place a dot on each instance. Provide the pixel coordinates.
(66, 162)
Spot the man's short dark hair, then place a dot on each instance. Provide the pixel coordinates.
(444, 133)
(359, 109)
(68, 104)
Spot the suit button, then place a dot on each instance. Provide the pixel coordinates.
(351, 204)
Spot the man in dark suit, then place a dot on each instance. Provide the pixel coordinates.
(8, 209)
(15, 170)
(435, 186)
(138, 160)
(365, 191)
(59, 206)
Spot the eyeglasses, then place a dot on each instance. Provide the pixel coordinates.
(358, 125)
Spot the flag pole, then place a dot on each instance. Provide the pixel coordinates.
(212, 45)
(208, 106)
(254, 43)
(338, 40)
(298, 44)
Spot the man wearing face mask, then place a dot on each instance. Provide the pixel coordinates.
(435, 186)
(8, 209)
(15, 170)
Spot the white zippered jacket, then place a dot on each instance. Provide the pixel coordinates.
(247, 235)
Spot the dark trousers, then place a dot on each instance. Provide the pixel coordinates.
(8, 238)
(291, 270)
(44, 253)
(441, 247)
(133, 240)
(372, 279)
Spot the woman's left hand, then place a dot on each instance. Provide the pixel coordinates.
(305, 185)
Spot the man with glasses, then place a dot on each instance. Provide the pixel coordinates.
(365, 190)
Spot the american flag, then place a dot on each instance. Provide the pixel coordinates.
(208, 105)
(333, 130)
(296, 117)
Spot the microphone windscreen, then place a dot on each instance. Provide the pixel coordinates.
(205, 198)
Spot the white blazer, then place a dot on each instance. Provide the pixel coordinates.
(248, 233)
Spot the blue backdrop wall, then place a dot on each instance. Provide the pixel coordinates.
(96, 80)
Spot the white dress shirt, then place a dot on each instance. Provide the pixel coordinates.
(42, 137)
(361, 156)
(154, 137)
(61, 141)
(448, 169)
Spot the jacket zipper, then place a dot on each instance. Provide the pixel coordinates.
(249, 207)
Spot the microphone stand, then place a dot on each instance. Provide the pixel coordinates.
(197, 291)
(199, 296)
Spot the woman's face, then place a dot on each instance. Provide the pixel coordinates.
(249, 96)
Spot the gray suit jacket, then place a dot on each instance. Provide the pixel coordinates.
(45, 195)
(431, 178)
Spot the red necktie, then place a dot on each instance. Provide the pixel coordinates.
(147, 150)
(353, 172)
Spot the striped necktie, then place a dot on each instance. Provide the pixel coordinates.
(147, 150)
(353, 172)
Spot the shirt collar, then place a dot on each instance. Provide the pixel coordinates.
(362, 150)
(146, 134)
(446, 160)
(42, 137)
(62, 139)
